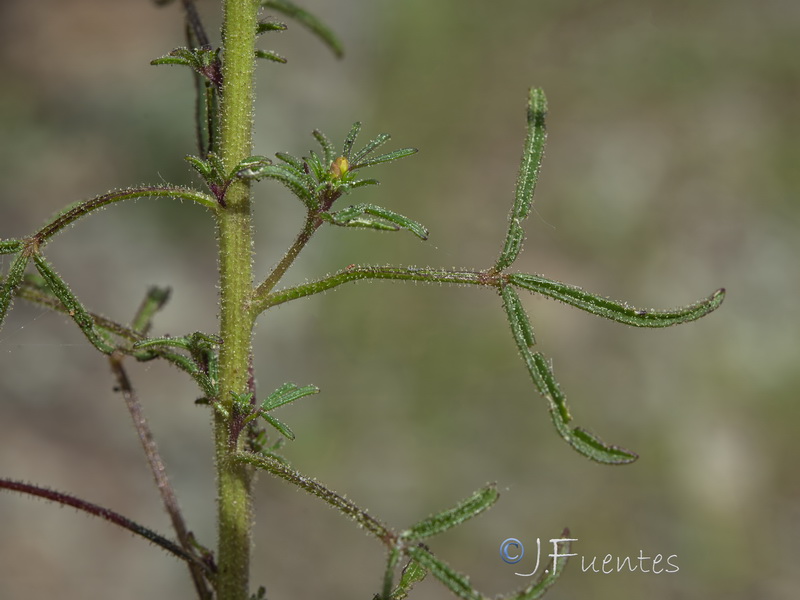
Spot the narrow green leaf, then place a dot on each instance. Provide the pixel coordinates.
(533, 154)
(550, 389)
(10, 284)
(616, 311)
(581, 440)
(203, 168)
(351, 185)
(75, 309)
(384, 158)
(369, 223)
(468, 508)
(545, 382)
(250, 164)
(290, 160)
(314, 163)
(288, 392)
(347, 148)
(279, 425)
(267, 26)
(371, 146)
(10, 246)
(172, 60)
(528, 175)
(452, 579)
(347, 215)
(592, 446)
(154, 300)
(514, 305)
(412, 573)
(329, 154)
(217, 166)
(242, 401)
(312, 23)
(270, 55)
(512, 245)
(295, 183)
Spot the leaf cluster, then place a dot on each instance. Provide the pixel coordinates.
(318, 180)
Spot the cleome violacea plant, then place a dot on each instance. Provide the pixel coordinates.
(248, 436)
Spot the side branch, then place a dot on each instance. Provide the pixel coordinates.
(409, 541)
(568, 294)
(103, 513)
(312, 223)
(262, 302)
(75, 212)
(315, 488)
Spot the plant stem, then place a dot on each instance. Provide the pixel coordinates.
(236, 280)
(311, 225)
(99, 511)
(159, 471)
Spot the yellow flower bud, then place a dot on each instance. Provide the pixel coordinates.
(339, 167)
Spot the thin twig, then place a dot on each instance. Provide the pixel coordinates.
(158, 469)
(104, 513)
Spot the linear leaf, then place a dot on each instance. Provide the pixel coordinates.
(344, 216)
(270, 55)
(383, 158)
(470, 507)
(371, 146)
(616, 311)
(369, 223)
(203, 167)
(10, 284)
(284, 174)
(327, 147)
(75, 309)
(312, 23)
(154, 300)
(317, 168)
(452, 579)
(513, 304)
(170, 59)
(351, 185)
(251, 163)
(527, 177)
(266, 26)
(412, 573)
(279, 425)
(542, 376)
(288, 392)
(10, 246)
(347, 148)
(512, 244)
(291, 160)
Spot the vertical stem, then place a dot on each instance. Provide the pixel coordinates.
(236, 281)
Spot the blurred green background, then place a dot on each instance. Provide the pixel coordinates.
(671, 170)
